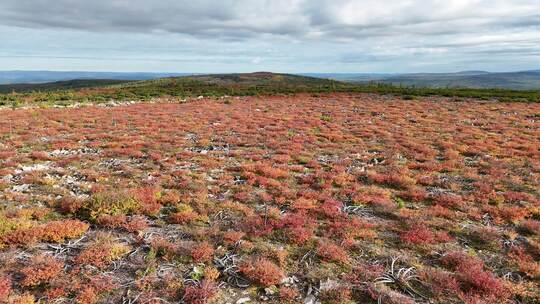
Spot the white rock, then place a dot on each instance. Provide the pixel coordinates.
(243, 300)
(21, 188)
(36, 167)
(310, 300)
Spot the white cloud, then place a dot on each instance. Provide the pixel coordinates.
(303, 34)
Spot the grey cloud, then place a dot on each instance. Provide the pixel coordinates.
(249, 18)
(341, 33)
(199, 18)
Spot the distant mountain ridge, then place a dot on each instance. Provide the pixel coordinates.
(47, 80)
(59, 85)
(64, 93)
(11, 77)
(175, 83)
(521, 80)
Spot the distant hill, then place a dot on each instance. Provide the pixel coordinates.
(524, 80)
(58, 85)
(174, 84)
(11, 77)
(349, 77)
(229, 84)
(260, 78)
(64, 93)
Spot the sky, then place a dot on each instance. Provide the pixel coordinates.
(327, 36)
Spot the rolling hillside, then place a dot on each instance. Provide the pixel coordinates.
(222, 85)
(58, 85)
(12, 77)
(524, 80)
(259, 79)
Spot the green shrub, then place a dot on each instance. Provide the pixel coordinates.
(109, 203)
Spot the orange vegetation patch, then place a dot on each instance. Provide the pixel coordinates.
(336, 198)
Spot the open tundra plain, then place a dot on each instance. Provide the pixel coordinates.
(309, 198)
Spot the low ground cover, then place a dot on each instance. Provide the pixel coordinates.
(337, 198)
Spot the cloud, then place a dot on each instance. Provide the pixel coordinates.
(226, 18)
(297, 18)
(334, 32)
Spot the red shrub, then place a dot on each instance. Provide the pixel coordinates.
(299, 235)
(395, 180)
(530, 227)
(148, 197)
(442, 283)
(525, 262)
(202, 252)
(6, 154)
(69, 204)
(155, 156)
(59, 231)
(415, 194)
(137, 223)
(377, 198)
(101, 253)
(335, 295)
(92, 288)
(256, 226)
(440, 211)
(55, 231)
(271, 172)
(331, 252)
(39, 155)
(472, 276)
(265, 197)
(22, 237)
(183, 217)
(348, 228)
(303, 204)
(331, 209)
(231, 237)
(170, 198)
(389, 296)
(426, 180)
(420, 234)
(200, 294)
(88, 295)
(242, 196)
(513, 214)
(5, 288)
(448, 200)
(56, 292)
(485, 236)
(262, 271)
(40, 271)
(163, 248)
(288, 293)
(25, 298)
(295, 220)
(514, 197)
(363, 272)
(112, 221)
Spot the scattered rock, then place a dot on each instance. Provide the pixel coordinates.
(289, 281)
(65, 152)
(271, 290)
(243, 300)
(311, 300)
(34, 167)
(21, 188)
